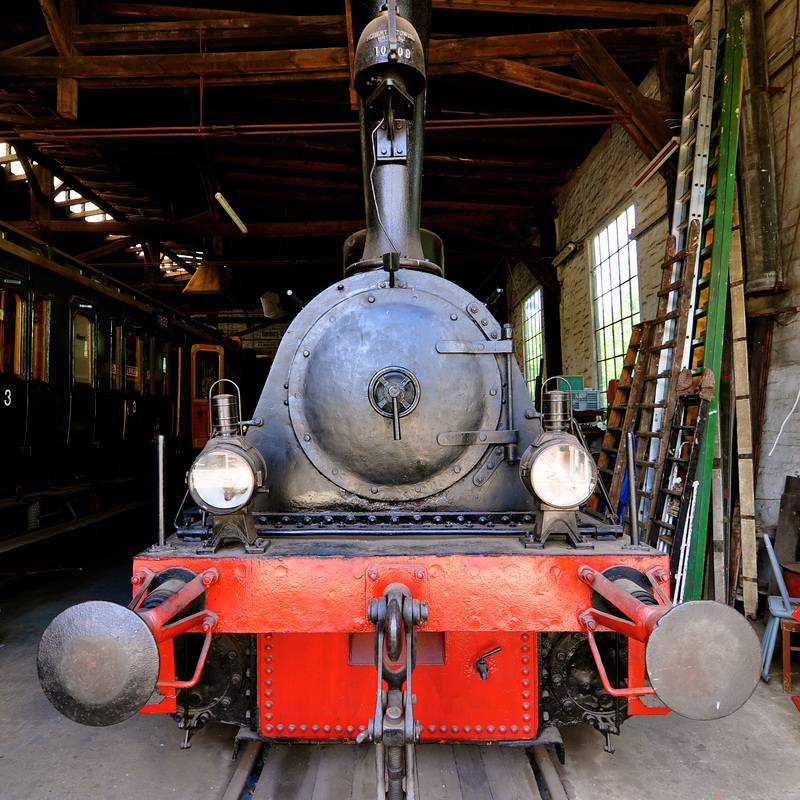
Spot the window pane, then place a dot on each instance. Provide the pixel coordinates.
(82, 355)
(40, 366)
(616, 301)
(132, 361)
(10, 333)
(206, 372)
(533, 338)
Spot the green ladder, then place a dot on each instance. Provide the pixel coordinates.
(708, 321)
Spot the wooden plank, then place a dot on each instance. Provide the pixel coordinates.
(30, 47)
(275, 28)
(290, 771)
(56, 28)
(336, 772)
(160, 11)
(177, 230)
(331, 62)
(438, 774)
(509, 773)
(619, 9)
(741, 385)
(364, 782)
(544, 81)
(554, 43)
(471, 773)
(622, 88)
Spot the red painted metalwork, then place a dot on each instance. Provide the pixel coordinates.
(643, 618)
(525, 592)
(157, 620)
(309, 688)
(312, 684)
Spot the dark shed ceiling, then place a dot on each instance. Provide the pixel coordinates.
(148, 110)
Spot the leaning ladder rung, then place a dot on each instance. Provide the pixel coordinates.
(645, 464)
(673, 287)
(649, 434)
(652, 405)
(605, 471)
(654, 376)
(667, 539)
(670, 315)
(666, 525)
(664, 346)
(672, 492)
(682, 461)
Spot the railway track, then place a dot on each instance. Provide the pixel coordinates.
(347, 772)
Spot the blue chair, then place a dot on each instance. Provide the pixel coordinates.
(780, 607)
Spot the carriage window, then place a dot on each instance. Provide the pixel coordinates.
(133, 355)
(10, 333)
(82, 350)
(116, 358)
(163, 363)
(206, 372)
(40, 365)
(151, 368)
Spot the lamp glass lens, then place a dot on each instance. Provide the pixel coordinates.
(221, 479)
(563, 475)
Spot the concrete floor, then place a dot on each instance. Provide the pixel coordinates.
(45, 755)
(752, 755)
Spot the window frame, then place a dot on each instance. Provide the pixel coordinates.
(87, 312)
(612, 321)
(533, 351)
(17, 291)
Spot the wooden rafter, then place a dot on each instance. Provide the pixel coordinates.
(324, 62)
(264, 28)
(60, 25)
(151, 231)
(642, 112)
(611, 9)
(544, 81)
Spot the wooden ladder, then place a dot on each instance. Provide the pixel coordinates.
(610, 467)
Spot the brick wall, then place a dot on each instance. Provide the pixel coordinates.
(601, 186)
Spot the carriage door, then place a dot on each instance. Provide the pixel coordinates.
(133, 385)
(13, 386)
(208, 364)
(82, 394)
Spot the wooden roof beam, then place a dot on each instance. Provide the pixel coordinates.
(60, 25)
(610, 9)
(150, 231)
(317, 63)
(543, 81)
(641, 110)
(277, 28)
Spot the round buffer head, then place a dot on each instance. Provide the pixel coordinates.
(703, 659)
(98, 663)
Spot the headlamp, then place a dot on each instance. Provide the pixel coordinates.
(226, 474)
(558, 470)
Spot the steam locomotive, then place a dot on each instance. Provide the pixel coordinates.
(395, 550)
